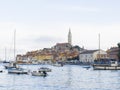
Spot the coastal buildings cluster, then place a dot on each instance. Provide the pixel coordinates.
(63, 52)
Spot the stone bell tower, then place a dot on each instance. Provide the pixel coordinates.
(70, 37)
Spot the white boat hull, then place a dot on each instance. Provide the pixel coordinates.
(112, 66)
(17, 71)
(106, 67)
(45, 69)
(37, 74)
(57, 65)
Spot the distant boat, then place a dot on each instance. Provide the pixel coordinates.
(112, 66)
(87, 67)
(11, 65)
(45, 69)
(39, 73)
(5, 61)
(57, 64)
(17, 71)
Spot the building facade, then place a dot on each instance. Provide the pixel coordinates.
(113, 53)
(62, 47)
(89, 56)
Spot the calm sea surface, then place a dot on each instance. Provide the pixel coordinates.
(68, 77)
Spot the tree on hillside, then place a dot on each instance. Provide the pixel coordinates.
(76, 46)
(119, 51)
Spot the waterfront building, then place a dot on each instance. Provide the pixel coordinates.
(23, 59)
(43, 57)
(113, 53)
(89, 56)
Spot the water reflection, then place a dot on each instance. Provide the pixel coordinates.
(69, 75)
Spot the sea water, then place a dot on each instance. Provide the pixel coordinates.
(68, 77)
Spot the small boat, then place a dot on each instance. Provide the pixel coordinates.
(1, 71)
(6, 62)
(39, 73)
(57, 64)
(17, 71)
(87, 67)
(112, 66)
(11, 65)
(45, 69)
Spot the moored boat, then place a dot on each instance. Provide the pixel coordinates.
(57, 64)
(112, 66)
(87, 67)
(45, 69)
(17, 71)
(39, 73)
(11, 65)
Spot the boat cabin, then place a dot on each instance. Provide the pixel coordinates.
(114, 63)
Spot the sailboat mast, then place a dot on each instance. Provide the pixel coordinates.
(99, 46)
(5, 54)
(14, 45)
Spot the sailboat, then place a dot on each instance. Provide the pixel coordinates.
(5, 58)
(112, 66)
(11, 64)
(14, 69)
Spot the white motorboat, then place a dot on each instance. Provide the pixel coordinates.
(57, 64)
(45, 69)
(11, 65)
(87, 67)
(39, 73)
(112, 66)
(17, 71)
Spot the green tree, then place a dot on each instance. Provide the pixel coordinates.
(76, 46)
(119, 51)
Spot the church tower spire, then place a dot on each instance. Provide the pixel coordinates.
(70, 37)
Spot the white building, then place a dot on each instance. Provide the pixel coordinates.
(89, 56)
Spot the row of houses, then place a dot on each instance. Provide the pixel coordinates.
(61, 51)
(65, 51)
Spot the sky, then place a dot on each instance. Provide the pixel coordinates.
(43, 23)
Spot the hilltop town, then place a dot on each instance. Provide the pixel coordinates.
(66, 52)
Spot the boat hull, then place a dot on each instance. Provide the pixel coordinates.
(9, 67)
(38, 74)
(17, 71)
(45, 69)
(106, 67)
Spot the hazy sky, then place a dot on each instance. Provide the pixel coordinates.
(43, 23)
